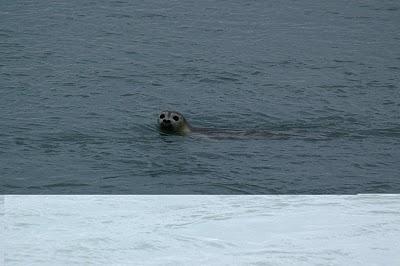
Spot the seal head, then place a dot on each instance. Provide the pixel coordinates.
(171, 122)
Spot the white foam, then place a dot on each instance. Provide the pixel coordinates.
(202, 230)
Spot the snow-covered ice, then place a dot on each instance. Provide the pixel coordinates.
(201, 230)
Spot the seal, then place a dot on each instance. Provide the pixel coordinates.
(171, 122)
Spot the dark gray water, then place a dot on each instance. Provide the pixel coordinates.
(82, 82)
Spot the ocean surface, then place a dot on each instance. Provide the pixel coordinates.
(277, 230)
(82, 84)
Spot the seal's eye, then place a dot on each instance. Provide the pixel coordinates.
(176, 118)
(162, 116)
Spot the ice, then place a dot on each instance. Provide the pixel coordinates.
(202, 230)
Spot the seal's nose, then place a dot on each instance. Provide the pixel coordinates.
(166, 121)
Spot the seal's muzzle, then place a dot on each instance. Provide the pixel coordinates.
(166, 126)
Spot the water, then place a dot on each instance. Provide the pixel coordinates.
(82, 83)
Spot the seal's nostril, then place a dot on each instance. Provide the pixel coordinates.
(168, 121)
